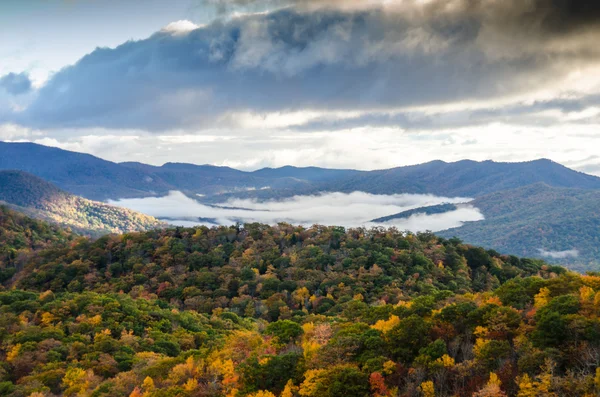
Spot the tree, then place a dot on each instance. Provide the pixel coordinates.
(285, 331)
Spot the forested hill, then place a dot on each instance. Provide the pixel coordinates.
(40, 199)
(20, 236)
(288, 311)
(560, 223)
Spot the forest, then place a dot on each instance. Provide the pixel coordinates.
(287, 311)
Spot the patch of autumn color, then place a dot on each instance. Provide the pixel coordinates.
(13, 352)
(358, 297)
(492, 388)
(47, 319)
(76, 381)
(446, 361)
(312, 382)
(586, 294)
(386, 325)
(184, 371)
(23, 319)
(148, 384)
(264, 360)
(480, 343)
(242, 344)
(389, 367)
(597, 299)
(531, 313)
(309, 348)
(405, 304)
(226, 369)
(591, 281)
(493, 300)
(540, 386)
(480, 332)
(95, 320)
(289, 389)
(526, 387)
(136, 392)
(262, 393)
(427, 389)
(190, 385)
(377, 383)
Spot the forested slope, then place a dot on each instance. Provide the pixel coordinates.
(40, 199)
(291, 311)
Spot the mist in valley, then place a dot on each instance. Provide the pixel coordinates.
(342, 209)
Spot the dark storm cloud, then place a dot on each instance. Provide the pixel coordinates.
(15, 84)
(320, 56)
(561, 16)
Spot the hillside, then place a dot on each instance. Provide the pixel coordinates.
(40, 199)
(265, 311)
(20, 235)
(563, 223)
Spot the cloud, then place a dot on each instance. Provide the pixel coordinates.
(16, 84)
(180, 27)
(320, 56)
(573, 253)
(351, 210)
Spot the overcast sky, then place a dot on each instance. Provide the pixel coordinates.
(334, 83)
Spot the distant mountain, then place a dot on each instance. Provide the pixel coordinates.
(464, 178)
(40, 199)
(559, 224)
(312, 174)
(214, 180)
(78, 173)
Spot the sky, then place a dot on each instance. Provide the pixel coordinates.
(332, 83)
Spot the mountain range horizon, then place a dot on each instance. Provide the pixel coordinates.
(508, 206)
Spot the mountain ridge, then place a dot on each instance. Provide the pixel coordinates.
(98, 179)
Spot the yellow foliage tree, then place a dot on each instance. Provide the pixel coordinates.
(427, 389)
(262, 393)
(542, 298)
(389, 367)
(75, 381)
(386, 325)
(446, 361)
(190, 385)
(13, 352)
(47, 319)
(289, 389)
(526, 387)
(492, 388)
(312, 382)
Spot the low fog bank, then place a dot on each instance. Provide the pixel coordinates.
(573, 253)
(340, 209)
